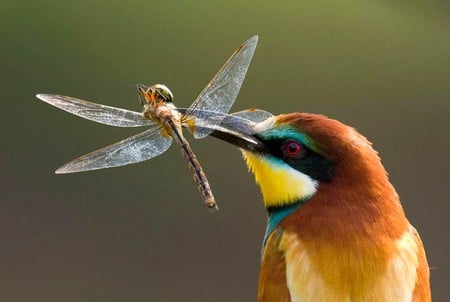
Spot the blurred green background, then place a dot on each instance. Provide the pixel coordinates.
(141, 233)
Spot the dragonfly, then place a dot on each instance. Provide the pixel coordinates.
(207, 114)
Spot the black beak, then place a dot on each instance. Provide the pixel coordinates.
(240, 140)
(237, 129)
(240, 133)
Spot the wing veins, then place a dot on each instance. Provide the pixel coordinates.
(142, 146)
(108, 115)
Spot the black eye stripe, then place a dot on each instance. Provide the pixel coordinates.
(307, 161)
(277, 147)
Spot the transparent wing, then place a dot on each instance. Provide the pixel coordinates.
(208, 121)
(220, 94)
(137, 148)
(254, 115)
(96, 112)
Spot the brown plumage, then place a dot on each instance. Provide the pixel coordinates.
(351, 240)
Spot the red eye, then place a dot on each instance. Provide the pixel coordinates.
(292, 149)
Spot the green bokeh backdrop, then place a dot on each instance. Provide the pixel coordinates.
(140, 233)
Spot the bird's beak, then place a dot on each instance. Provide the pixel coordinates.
(237, 129)
(241, 135)
(240, 140)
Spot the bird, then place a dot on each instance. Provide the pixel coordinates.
(336, 230)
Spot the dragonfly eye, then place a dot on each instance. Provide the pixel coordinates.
(163, 92)
(165, 97)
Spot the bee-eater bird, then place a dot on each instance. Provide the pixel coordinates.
(336, 230)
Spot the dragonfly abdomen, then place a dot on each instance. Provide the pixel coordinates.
(194, 165)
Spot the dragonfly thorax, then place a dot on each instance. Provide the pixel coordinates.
(161, 112)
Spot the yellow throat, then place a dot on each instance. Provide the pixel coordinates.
(280, 184)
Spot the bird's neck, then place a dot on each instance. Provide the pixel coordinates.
(276, 214)
(349, 236)
(283, 189)
(351, 208)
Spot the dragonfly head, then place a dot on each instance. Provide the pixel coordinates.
(155, 93)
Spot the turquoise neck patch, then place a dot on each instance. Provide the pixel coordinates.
(277, 214)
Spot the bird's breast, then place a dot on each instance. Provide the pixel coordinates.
(361, 272)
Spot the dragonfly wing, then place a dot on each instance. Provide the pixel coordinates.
(254, 115)
(220, 94)
(96, 112)
(208, 121)
(137, 148)
(244, 122)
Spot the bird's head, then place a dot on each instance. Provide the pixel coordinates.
(295, 156)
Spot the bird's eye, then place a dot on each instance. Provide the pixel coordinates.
(292, 149)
